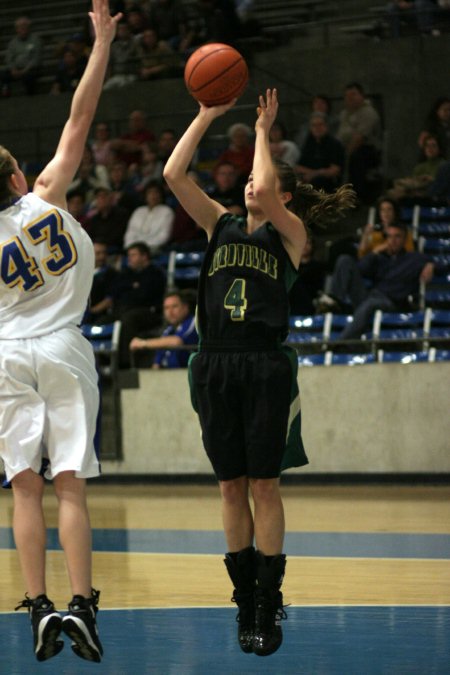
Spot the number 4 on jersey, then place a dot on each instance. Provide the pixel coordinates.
(235, 300)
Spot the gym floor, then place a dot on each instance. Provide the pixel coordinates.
(367, 583)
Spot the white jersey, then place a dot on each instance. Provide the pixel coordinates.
(46, 269)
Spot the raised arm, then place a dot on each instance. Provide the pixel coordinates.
(266, 187)
(54, 180)
(201, 208)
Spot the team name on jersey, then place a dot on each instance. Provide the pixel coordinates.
(244, 255)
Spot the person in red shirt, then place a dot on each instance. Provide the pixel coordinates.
(129, 145)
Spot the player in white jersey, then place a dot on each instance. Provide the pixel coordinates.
(48, 383)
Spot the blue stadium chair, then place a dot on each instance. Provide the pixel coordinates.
(434, 230)
(398, 326)
(437, 324)
(437, 298)
(402, 357)
(305, 328)
(442, 262)
(335, 324)
(184, 268)
(307, 360)
(104, 339)
(433, 213)
(439, 354)
(434, 245)
(352, 359)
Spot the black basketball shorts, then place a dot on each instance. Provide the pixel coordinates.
(244, 402)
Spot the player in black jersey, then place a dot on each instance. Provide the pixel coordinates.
(243, 379)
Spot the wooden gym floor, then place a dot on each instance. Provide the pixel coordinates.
(367, 581)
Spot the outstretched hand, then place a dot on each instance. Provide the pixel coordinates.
(104, 24)
(216, 110)
(267, 110)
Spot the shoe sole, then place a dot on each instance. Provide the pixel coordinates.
(82, 643)
(48, 644)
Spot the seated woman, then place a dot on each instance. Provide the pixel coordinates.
(373, 239)
(413, 188)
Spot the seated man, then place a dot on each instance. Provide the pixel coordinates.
(179, 315)
(322, 156)
(395, 276)
(105, 278)
(137, 297)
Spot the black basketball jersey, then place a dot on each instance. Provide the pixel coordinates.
(243, 286)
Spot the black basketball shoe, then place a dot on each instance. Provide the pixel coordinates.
(45, 625)
(241, 568)
(80, 625)
(268, 603)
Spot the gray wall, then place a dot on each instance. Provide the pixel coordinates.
(378, 418)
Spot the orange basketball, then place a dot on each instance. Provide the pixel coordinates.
(215, 74)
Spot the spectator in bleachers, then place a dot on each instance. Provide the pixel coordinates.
(437, 124)
(281, 147)
(107, 222)
(309, 282)
(171, 19)
(129, 145)
(419, 11)
(225, 188)
(23, 58)
(101, 145)
(124, 192)
(89, 176)
(394, 276)
(439, 190)
(374, 236)
(137, 298)
(156, 58)
(360, 133)
(179, 311)
(76, 206)
(186, 235)
(319, 103)
(136, 18)
(124, 59)
(105, 278)
(322, 157)
(69, 72)
(151, 167)
(413, 188)
(214, 21)
(240, 150)
(153, 222)
(166, 142)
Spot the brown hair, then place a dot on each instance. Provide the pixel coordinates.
(6, 170)
(315, 207)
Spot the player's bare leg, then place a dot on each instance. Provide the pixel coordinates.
(270, 565)
(75, 530)
(29, 529)
(75, 536)
(240, 560)
(30, 537)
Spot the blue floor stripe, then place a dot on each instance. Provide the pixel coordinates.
(317, 641)
(323, 544)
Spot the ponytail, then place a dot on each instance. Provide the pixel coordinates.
(316, 208)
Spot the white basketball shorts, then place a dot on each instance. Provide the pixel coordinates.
(48, 404)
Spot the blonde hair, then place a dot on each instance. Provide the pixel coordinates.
(6, 170)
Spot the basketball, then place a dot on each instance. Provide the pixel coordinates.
(215, 74)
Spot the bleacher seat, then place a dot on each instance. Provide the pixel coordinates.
(351, 359)
(307, 360)
(398, 327)
(183, 269)
(439, 354)
(304, 328)
(402, 357)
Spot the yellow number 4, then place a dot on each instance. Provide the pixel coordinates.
(235, 300)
